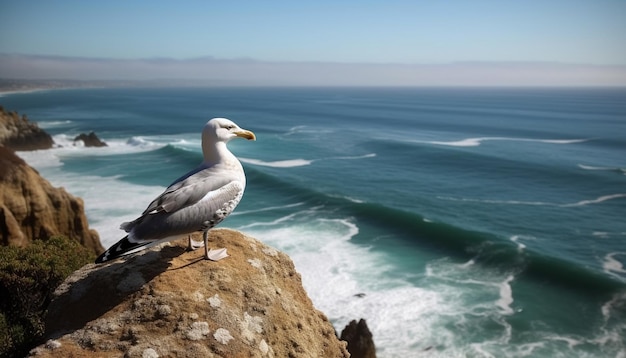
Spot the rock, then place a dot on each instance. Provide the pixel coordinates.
(19, 134)
(32, 209)
(90, 140)
(359, 338)
(168, 302)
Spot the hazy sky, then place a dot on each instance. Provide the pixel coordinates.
(385, 32)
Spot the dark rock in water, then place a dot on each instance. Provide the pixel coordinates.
(90, 140)
(359, 338)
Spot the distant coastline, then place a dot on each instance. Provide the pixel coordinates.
(12, 86)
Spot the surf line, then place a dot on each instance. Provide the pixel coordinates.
(475, 142)
(290, 163)
(596, 201)
(537, 203)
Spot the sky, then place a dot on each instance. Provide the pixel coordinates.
(146, 39)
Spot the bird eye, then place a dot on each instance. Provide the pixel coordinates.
(229, 126)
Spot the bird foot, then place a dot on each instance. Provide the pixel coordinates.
(193, 244)
(216, 255)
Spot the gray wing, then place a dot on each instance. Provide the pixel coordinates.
(188, 191)
(190, 188)
(151, 229)
(203, 215)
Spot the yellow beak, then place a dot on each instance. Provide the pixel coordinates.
(246, 134)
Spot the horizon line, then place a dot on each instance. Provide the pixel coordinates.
(211, 58)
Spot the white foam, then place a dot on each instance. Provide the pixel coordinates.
(604, 234)
(493, 201)
(520, 246)
(476, 278)
(53, 124)
(351, 199)
(506, 296)
(469, 142)
(528, 350)
(620, 170)
(40, 159)
(589, 167)
(597, 200)
(279, 163)
(306, 129)
(370, 155)
(537, 203)
(65, 145)
(616, 303)
(474, 142)
(468, 264)
(571, 342)
(299, 162)
(138, 142)
(348, 281)
(611, 265)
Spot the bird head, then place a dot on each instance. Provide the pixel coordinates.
(222, 129)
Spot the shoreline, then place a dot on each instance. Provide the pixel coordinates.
(4, 92)
(17, 86)
(10, 87)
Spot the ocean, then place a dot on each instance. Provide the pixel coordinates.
(459, 222)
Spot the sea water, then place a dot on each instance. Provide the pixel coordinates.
(458, 222)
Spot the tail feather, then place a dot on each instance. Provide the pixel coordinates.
(122, 248)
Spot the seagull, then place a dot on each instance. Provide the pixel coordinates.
(197, 201)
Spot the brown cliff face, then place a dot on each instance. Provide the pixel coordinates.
(19, 134)
(32, 209)
(169, 302)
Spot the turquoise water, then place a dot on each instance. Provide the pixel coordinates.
(477, 222)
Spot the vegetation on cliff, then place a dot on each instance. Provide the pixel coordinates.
(28, 277)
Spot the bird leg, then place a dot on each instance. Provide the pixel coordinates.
(213, 255)
(193, 245)
(205, 236)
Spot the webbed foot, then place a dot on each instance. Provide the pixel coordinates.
(216, 255)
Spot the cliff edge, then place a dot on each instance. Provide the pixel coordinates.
(32, 209)
(19, 133)
(170, 302)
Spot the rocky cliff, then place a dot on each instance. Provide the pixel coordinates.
(32, 209)
(18, 133)
(170, 302)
